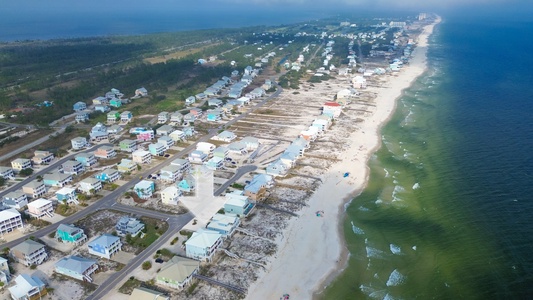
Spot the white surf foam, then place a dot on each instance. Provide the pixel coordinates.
(416, 186)
(357, 230)
(396, 278)
(395, 249)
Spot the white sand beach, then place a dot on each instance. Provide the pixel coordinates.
(312, 251)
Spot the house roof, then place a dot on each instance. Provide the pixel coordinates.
(39, 203)
(105, 240)
(15, 194)
(237, 146)
(165, 128)
(236, 200)
(75, 264)
(250, 139)
(56, 176)
(66, 190)
(179, 162)
(68, 228)
(24, 284)
(331, 104)
(171, 168)
(141, 293)
(8, 214)
(144, 184)
(84, 155)
(203, 239)
(71, 163)
(226, 135)
(90, 180)
(27, 247)
(179, 268)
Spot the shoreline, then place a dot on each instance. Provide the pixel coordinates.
(297, 253)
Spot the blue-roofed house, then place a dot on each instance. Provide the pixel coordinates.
(223, 224)
(79, 106)
(77, 267)
(105, 246)
(27, 288)
(277, 168)
(257, 187)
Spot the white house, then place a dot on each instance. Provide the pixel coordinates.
(203, 244)
(105, 246)
(141, 157)
(41, 208)
(170, 195)
(78, 143)
(90, 184)
(10, 219)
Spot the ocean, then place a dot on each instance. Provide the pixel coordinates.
(71, 24)
(447, 211)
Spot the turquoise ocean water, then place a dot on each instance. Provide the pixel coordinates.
(447, 212)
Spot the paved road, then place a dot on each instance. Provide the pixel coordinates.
(48, 168)
(175, 224)
(240, 172)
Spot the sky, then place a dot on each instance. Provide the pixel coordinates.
(95, 6)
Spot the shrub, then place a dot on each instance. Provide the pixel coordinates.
(146, 265)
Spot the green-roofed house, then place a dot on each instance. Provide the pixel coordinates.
(68, 233)
(177, 272)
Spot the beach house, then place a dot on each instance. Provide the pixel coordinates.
(126, 116)
(141, 92)
(103, 108)
(190, 117)
(177, 135)
(20, 164)
(78, 143)
(6, 173)
(221, 152)
(42, 157)
(187, 184)
(225, 136)
(67, 195)
(34, 189)
(10, 219)
(128, 145)
(214, 115)
(164, 130)
(114, 129)
(277, 168)
(223, 224)
(99, 132)
(257, 187)
(167, 141)
(203, 244)
(183, 164)
(332, 109)
(76, 267)
(177, 272)
(176, 117)
(57, 179)
(41, 208)
(73, 167)
(252, 143)
(86, 159)
(100, 100)
(5, 274)
(79, 106)
(116, 103)
(214, 163)
(81, 117)
(190, 100)
(144, 189)
(157, 149)
(105, 246)
(29, 253)
(238, 148)
(27, 288)
(145, 135)
(108, 175)
(90, 185)
(197, 157)
(68, 233)
(206, 148)
(127, 225)
(105, 152)
(162, 117)
(170, 173)
(170, 195)
(113, 116)
(141, 157)
(238, 205)
(15, 199)
(126, 166)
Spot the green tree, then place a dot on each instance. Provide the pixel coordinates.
(26, 172)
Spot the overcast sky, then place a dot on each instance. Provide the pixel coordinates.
(331, 5)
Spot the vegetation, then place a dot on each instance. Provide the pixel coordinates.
(152, 231)
(129, 285)
(146, 265)
(26, 172)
